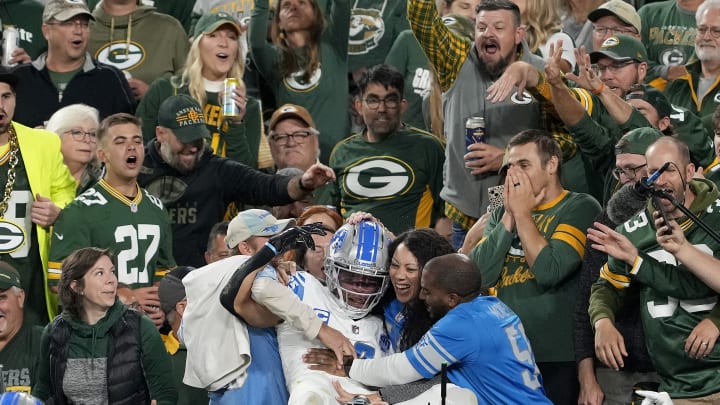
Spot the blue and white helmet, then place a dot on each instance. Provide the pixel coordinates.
(18, 398)
(356, 267)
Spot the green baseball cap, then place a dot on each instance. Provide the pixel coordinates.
(621, 48)
(183, 115)
(637, 140)
(208, 23)
(9, 277)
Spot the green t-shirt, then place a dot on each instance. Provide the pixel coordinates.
(374, 25)
(543, 295)
(26, 16)
(407, 56)
(20, 246)
(19, 359)
(138, 232)
(61, 80)
(397, 179)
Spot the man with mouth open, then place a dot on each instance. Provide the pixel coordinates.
(672, 299)
(117, 213)
(465, 72)
(197, 185)
(67, 74)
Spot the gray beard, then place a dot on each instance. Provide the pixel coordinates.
(173, 159)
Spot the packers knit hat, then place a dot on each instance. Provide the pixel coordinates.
(209, 23)
(621, 48)
(184, 116)
(653, 96)
(9, 277)
(620, 9)
(171, 289)
(63, 10)
(254, 222)
(291, 111)
(637, 140)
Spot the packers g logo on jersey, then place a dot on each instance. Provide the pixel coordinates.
(12, 236)
(121, 54)
(366, 30)
(296, 82)
(378, 177)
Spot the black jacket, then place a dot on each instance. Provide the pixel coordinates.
(98, 85)
(198, 200)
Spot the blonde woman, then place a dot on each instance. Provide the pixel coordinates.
(215, 55)
(542, 21)
(77, 125)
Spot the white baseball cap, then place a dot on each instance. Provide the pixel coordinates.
(254, 222)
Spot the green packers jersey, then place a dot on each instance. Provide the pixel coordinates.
(374, 25)
(18, 243)
(19, 358)
(137, 231)
(541, 295)
(398, 179)
(407, 56)
(673, 300)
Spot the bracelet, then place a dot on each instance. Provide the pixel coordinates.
(599, 89)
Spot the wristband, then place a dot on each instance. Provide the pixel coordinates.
(595, 91)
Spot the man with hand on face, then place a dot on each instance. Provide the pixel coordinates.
(389, 169)
(196, 186)
(465, 71)
(37, 184)
(532, 253)
(673, 301)
(117, 213)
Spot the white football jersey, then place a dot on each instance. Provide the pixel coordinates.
(310, 387)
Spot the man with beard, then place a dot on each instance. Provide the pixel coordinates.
(672, 299)
(116, 213)
(465, 72)
(35, 180)
(196, 186)
(389, 169)
(698, 90)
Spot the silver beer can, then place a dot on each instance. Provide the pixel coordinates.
(11, 42)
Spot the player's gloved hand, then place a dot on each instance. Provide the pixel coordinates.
(654, 398)
(296, 237)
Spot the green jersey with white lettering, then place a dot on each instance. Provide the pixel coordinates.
(137, 231)
(407, 56)
(398, 179)
(672, 300)
(19, 358)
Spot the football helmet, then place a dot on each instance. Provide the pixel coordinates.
(18, 398)
(356, 267)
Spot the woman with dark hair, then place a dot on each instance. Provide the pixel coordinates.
(406, 317)
(97, 351)
(307, 62)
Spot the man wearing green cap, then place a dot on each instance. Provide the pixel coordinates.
(19, 340)
(196, 186)
(116, 213)
(125, 35)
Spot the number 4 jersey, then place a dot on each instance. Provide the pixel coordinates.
(137, 231)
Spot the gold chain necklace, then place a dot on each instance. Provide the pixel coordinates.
(12, 140)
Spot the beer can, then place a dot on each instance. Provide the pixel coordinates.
(474, 130)
(11, 40)
(229, 109)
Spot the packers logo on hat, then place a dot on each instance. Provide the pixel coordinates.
(610, 42)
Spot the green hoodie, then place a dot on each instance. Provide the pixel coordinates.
(26, 16)
(87, 354)
(145, 43)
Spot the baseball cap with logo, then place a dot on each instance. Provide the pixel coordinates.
(63, 10)
(254, 222)
(653, 96)
(171, 289)
(9, 277)
(291, 111)
(620, 9)
(184, 116)
(208, 23)
(621, 48)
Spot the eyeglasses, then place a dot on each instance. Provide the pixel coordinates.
(282, 139)
(71, 24)
(602, 30)
(390, 102)
(629, 172)
(714, 32)
(612, 68)
(79, 135)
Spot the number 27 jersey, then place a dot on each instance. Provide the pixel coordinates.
(137, 231)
